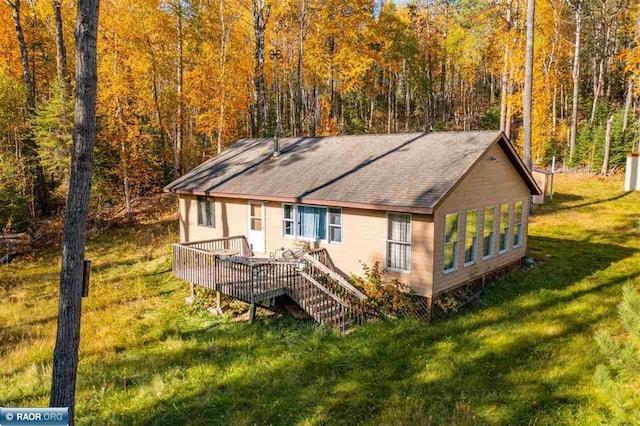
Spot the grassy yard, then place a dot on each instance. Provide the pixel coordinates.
(523, 354)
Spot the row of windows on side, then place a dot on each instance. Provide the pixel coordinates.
(472, 230)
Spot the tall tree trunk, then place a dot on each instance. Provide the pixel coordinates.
(30, 149)
(505, 74)
(26, 68)
(124, 154)
(300, 77)
(389, 103)
(607, 148)
(177, 167)
(576, 81)
(260, 13)
(528, 84)
(158, 112)
(65, 356)
(225, 34)
(627, 107)
(597, 89)
(61, 51)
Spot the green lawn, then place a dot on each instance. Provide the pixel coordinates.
(523, 354)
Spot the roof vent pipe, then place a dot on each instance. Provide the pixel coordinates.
(276, 140)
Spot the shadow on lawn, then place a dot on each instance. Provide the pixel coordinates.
(500, 358)
(562, 202)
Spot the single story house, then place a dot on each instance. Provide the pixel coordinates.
(437, 210)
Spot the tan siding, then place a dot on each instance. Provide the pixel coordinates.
(230, 219)
(493, 181)
(364, 234)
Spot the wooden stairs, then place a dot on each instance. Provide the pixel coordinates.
(310, 279)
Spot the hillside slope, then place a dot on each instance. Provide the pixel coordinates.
(524, 353)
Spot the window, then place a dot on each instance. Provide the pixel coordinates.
(255, 212)
(517, 226)
(206, 216)
(451, 242)
(487, 245)
(471, 237)
(288, 220)
(504, 228)
(399, 242)
(314, 223)
(335, 225)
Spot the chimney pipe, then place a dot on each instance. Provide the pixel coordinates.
(276, 146)
(276, 140)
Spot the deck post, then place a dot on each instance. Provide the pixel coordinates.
(192, 294)
(252, 313)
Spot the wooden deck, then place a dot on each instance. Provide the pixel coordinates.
(310, 279)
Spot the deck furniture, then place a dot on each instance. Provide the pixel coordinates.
(309, 279)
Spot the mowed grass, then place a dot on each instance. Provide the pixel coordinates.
(523, 354)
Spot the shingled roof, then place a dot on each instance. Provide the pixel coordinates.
(404, 171)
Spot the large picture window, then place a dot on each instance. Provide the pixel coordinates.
(311, 222)
(504, 228)
(451, 242)
(517, 226)
(399, 242)
(471, 237)
(206, 211)
(487, 233)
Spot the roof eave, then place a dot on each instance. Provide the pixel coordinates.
(305, 200)
(521, 168)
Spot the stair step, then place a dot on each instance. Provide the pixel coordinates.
(317, 299)
(328, 314)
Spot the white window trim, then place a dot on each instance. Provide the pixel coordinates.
(475, 246)
(263, 213)
(293, 220)
(493, 232)
(329, 225)
(507, 235)
(208, 200)
(521, 223)
(456, 244)
(387, 241)
(296, 235)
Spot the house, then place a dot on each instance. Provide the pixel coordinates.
(438, 210)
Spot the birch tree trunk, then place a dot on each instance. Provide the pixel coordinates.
(607, 148)
(177, 167)
(260, 13)
(225, 34)
(301, 36)
(576, 80)
(65, 356)
(627, 107)
(505, 74)
(528, 84)
(61, 51)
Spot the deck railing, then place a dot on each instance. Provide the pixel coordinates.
(310, 280)
(335, 283)
(237, 245)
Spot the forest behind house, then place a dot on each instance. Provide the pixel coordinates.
(180, 80)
